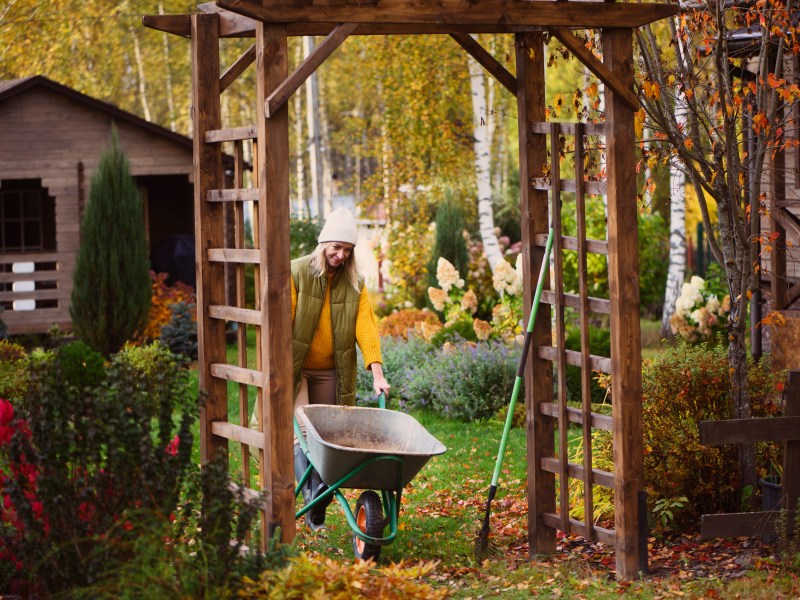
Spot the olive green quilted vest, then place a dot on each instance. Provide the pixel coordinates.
(344, 309)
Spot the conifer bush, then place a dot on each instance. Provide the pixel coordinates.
(180, 334)
(449, 242)
(111, 295)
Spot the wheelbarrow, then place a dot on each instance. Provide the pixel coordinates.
(373, 449)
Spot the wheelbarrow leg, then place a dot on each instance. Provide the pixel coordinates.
(312, 488)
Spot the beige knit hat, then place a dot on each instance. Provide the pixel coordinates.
(340, 227)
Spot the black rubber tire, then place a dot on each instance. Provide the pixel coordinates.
(369, 516)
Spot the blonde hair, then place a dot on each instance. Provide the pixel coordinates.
(319, 265)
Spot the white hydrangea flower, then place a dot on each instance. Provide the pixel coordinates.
(447, 275)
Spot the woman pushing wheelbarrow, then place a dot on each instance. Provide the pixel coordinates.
(331, 313)
(338, 445)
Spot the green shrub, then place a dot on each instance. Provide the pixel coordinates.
(81, 366)
(155, 368)
(466, 381)
(449, 242)
(303, 234)
(196, 553)
(398, 354)
(461, 330)
(13, 371)
(682, 387)
(600, 345)
(86, 467)
(180, 334)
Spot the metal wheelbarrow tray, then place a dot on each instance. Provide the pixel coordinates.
(391, 445)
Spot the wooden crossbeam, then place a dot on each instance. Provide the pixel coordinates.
(607, 536)
(237, 68)
(575, 415)
(235, 314)
(289, 85)
(245, 435)
(486, 60)
(594, 305)
(573, 357)
(231, 134)
(753, 524)
(234, 255)
(237, 374)
(232, 195)
(570, 185)
(571, 243)
(574, 45)
(576, 471)
(547, 13)
(590, 129)
(749, 431)
(234, 25)
(34, 295)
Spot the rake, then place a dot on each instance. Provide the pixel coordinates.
(482, 542)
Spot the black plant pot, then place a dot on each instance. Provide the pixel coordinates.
(771, 493)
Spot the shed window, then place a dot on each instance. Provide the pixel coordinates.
(27, 216)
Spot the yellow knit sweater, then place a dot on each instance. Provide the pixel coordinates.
(320, 355)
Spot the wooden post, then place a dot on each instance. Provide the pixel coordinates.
(276, 316)
(534, 220)
(208, 227)
(791, 453)
(623, 277)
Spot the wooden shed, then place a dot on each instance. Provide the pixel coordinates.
(51, 139)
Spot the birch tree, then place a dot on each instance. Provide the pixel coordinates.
(483, 162)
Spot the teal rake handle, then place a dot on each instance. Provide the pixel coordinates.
(526, 344)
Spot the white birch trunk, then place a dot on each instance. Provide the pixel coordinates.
(676, 271)
(300, 147)
(140, 71)
(328, 189)
(491, 247)
(312, 118)
(168, 82)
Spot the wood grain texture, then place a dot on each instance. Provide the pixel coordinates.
(623, 276)
(580, 15)
(208, 230)
(540, 429)
(273, 224)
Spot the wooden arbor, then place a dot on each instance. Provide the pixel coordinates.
(271, 22)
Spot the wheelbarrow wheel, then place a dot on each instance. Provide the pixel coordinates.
(369, 517)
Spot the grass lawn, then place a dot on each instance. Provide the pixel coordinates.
(442, 511)
(441, 514)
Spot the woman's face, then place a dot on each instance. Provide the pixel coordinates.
(336, 253)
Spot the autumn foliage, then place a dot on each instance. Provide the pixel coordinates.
(409, 322)
(163, 299)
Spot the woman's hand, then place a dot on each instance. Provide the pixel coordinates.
(379, 383)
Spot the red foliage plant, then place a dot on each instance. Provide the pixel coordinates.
(25, 475)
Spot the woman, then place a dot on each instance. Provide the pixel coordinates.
(331, 313)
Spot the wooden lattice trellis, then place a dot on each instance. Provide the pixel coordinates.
(270, 373)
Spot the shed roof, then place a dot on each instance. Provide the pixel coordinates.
(13, 87)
